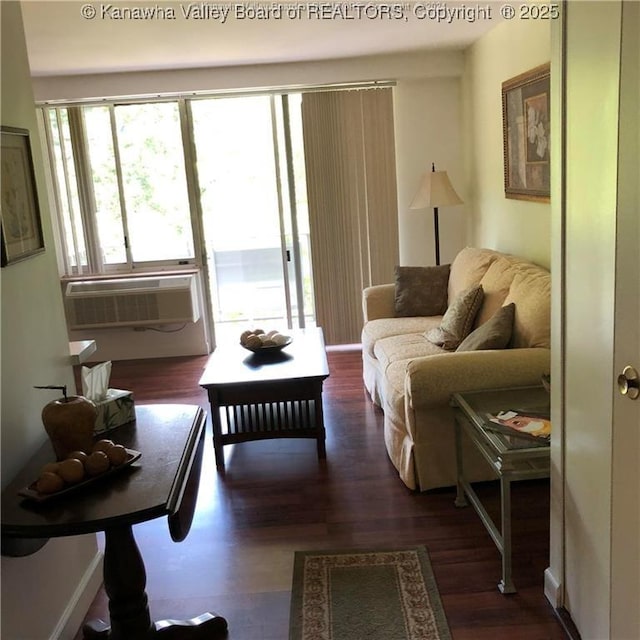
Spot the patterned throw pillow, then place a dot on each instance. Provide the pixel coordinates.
(457, 321)
(495, 333)
(421, 291)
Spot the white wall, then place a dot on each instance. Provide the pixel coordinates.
(221, 79)
(514, 226)
(428, 128)
(34, 351)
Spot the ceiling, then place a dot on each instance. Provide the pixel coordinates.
(62, 40)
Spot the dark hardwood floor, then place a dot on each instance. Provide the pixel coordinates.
(276, 497)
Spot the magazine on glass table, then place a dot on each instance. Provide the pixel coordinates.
(526, 424)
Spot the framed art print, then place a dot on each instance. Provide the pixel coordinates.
(526, 129)
(21, 225)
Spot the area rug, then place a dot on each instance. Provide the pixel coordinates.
(366, 595)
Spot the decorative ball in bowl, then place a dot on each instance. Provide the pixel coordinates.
(260, 341)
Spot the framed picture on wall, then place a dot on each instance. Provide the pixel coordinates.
(526, 127)
(21, 226)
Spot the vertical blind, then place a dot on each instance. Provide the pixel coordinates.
(351, 188)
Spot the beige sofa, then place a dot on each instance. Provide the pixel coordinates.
(412, 379)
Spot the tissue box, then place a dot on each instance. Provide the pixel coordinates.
(115, 410)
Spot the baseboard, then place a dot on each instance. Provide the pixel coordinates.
(553, 593)
(356, 346)
(552, 589)
(76, 609)
(567, 624)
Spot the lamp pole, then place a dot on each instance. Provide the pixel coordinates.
(436, 228)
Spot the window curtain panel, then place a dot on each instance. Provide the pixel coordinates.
(352, 198)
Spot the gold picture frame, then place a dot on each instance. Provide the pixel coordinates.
(526, 128)
(20, 222)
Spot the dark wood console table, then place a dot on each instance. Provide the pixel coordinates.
(163, 482)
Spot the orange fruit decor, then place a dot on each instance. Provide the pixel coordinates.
(103, 445)
(49, 483)
(71, 470)
(79, 455)
(117, 455)
(51, 467)
(97, 463)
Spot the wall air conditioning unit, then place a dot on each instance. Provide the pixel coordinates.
(131, 302)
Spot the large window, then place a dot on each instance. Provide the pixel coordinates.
(122, 184)
(220, 184)
(209, 182)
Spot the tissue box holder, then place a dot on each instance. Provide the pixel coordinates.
(115, 410)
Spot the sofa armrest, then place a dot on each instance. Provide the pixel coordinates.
(378, 301)
(431, 380)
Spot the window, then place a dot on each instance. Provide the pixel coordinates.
(105, 185)
(154, 182)
(141, 185)
(220, 183)
(121, 181)
(74, 247)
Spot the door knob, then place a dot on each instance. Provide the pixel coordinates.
(629, 383)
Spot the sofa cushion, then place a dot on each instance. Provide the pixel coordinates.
(375, 330)
(458, 320)
(405, 347)
(493, 334)
(531, 293)
(467, 269)
(495, 285)
(421, 291)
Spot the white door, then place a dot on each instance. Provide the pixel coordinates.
(601, 457)
(625, 529)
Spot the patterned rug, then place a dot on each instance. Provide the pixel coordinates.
(366, 595)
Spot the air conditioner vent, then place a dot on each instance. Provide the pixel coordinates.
(132, 302)
(138, 307)
(94, 311)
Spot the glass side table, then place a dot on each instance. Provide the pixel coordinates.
(512, 457)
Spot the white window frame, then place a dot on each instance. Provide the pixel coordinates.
(84, 186)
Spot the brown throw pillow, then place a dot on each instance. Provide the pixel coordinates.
(421, 291)
(457, 321)
(495, 333)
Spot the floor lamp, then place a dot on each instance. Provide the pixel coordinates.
(435, 191)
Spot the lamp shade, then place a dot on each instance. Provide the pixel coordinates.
(435, 190)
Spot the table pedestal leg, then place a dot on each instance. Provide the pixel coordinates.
(124, 582)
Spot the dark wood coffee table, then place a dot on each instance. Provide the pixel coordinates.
(258, 396)
(163, 482)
